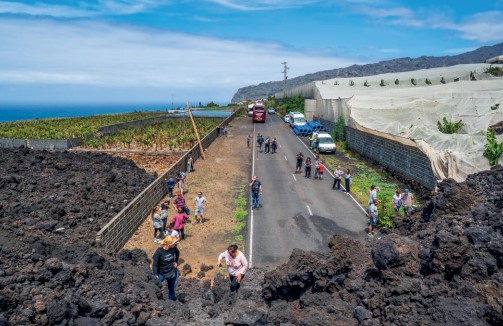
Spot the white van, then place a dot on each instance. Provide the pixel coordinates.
(297, 119)
(325, 143)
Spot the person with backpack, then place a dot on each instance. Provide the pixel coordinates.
(274, 145)
(260, 141)
(267, 143)
(170, 183)
(165, 264)
(256, 191)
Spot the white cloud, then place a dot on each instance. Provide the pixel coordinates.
(97, 54)
(481, 27)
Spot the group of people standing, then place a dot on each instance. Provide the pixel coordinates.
(269, 144)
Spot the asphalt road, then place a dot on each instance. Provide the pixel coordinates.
(296, 212)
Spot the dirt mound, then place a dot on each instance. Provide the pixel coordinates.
(442, 266)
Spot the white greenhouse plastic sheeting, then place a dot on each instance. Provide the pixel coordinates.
(409, 114)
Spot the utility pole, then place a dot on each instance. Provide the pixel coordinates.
(201, 149)
(285, 76)
(172, 102)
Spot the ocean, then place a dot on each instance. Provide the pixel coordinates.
(14, 112)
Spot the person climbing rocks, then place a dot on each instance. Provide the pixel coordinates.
(165, 264)
(397, 202)
(372, 194)
(408, 202)
(237, 265)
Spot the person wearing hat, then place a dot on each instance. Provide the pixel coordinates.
(165, 263)
(237, 265)
(407, 202)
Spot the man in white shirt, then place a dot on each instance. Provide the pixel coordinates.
(237, 265)
(172, 232)
(201, 204)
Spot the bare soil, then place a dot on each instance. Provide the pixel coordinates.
(220, 176)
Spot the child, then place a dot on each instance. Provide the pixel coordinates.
(321, 168)
(157, 223)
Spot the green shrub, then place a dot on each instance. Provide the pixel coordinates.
(336, 83)
(366, 84)
(495, 106)
(427, 81)
(413, 81)
(442, 80)
(397, 81)
(382, 84)
(495, 71)
(493, 149)
(351, 83)
(448, 127)
(339, 133)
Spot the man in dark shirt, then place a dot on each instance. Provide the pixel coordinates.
(165, 263)
(298, 166)
(256, 190)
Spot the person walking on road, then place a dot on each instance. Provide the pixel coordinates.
(267, 143)
(348, 180)
(260, 141)
(248, 140)
(308, 164)
(338, 173)
(179, 222)
(298, 165)
(256, 191)
(274, 145)
(165, 264)
(200, 204)
(237, 265)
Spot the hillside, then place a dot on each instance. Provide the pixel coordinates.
(396, 65)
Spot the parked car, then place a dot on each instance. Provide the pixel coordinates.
(325, 143)
(250, 112)
(287, 118)
(297, 119)
(271, 111)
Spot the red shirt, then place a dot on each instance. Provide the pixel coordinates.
(321, 168)
(179, 221)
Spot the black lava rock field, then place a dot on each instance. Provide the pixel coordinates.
(442, 266)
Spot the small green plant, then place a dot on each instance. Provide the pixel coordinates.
(427, 81)
(448, 127)
(493, 148)
(382, 84)
(339, 132)
(456, 79)
(366, 84)
(385, 213)
(336, 82)
(495, 106)
(351, 83)
(495, 71)
(413, 81)
(397, 82)
(442, 80)
(240, 214)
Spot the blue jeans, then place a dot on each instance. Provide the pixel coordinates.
(171, 285)
(255, 199)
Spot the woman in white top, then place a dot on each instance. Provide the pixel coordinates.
(237, 265)
(397, 201)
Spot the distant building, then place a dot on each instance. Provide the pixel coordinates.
(496, 60)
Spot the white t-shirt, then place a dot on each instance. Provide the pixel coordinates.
(200, 201)
(173, 233)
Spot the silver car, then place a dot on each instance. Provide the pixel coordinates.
(287, 118)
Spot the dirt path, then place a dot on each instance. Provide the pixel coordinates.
(225, 171)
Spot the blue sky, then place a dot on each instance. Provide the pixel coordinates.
(153, 51)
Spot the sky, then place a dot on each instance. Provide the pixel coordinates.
(164, 50)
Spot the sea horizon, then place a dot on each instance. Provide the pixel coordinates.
(10, 112)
